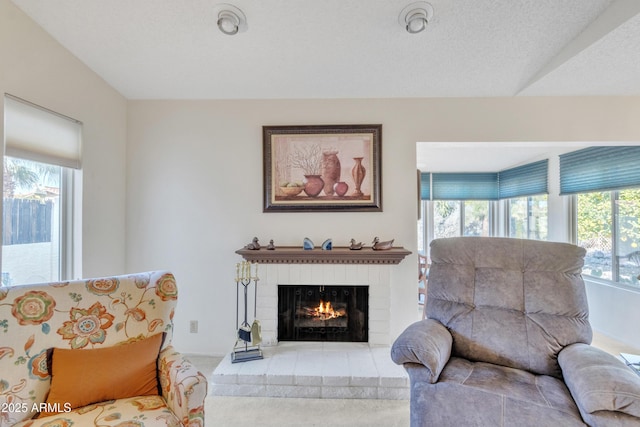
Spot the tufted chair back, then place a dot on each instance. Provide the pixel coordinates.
(509, 302)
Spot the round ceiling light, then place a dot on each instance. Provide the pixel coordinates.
(231, 20)
(415, 17)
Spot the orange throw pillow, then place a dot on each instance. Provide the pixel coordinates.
(82, 377)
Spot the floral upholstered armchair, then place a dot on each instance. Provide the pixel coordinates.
(95, 352)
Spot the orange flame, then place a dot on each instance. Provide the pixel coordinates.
(326, 311)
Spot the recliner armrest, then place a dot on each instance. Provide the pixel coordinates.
(426, 342)
(183, 387)
(599, 382)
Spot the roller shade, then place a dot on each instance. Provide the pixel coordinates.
(465, 186)
(35, 133)
(599, 169)
(526, 180)
(425, 186)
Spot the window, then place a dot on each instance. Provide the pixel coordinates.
(461, 218)
(447, 216)
(452, 218)
(511, 202)
(609, 229)
(528, 217)
(42, 154)
(606, 184)
(32, 226)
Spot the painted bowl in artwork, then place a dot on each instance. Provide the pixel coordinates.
(292, 191)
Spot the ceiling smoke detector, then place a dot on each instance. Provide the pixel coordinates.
(415, 17)
(231, 20)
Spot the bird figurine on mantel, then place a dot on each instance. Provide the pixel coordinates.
(355, 246)
(254, 245)
(381, 246)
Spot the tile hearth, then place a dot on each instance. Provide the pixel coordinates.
(314, 370)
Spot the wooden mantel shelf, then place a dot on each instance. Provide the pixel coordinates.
(337, 255)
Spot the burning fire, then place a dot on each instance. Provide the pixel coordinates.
(325, 311)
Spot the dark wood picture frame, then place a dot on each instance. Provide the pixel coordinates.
(322, 168)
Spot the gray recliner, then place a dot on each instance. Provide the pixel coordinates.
(506, 341)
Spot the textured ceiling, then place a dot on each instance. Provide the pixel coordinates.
(172, 49)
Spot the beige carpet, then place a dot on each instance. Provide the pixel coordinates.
(269, 411)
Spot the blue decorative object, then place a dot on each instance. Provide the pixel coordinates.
(307, 244)
(327, 245)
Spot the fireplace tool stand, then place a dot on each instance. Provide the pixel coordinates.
(247, 345)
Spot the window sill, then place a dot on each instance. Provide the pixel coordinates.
(611, 284)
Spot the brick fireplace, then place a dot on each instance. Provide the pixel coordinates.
(338, 267)
(336, 370)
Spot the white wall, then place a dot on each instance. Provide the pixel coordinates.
(33, 66)
(195, 184)
(616, 312)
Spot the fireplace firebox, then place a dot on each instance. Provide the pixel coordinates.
(323, 313)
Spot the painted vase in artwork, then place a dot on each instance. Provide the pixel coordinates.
(330, 171)
(341, 188)
(313, 185)
(358, 173)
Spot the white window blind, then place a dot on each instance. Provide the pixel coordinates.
(38, 134)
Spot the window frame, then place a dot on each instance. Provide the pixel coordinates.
(499, 219)
(428, 227)
(70, 225)
(615, 262)
(530, 201)
(38, 134)
(69, 216)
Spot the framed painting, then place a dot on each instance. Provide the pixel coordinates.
(322, 168)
